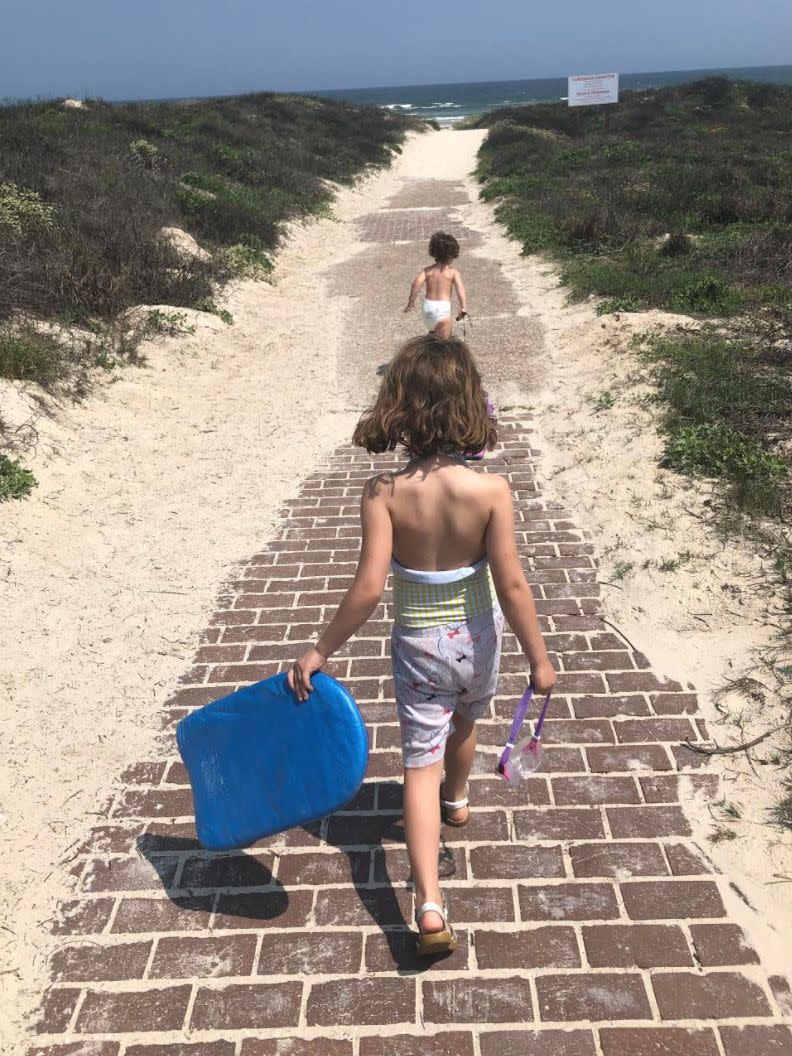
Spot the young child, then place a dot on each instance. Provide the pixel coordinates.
(447, 534)
(440, 280)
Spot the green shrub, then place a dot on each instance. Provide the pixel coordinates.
(22, 211)
(144, 152)
(15, 482)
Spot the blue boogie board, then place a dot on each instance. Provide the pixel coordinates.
(260, 762)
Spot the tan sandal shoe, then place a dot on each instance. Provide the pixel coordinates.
(434, 942)
(448, 805)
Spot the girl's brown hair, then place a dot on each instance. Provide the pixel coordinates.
(443, 247)
(431, 401)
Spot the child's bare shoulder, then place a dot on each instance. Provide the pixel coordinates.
(378, 486)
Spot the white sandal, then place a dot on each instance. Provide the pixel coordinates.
(447, 805)
(434, 942)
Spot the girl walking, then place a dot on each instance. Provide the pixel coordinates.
(447, 534)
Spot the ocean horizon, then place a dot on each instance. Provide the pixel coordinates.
(450, 103)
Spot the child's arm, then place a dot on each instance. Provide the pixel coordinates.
(418, 282)
(461, 294)
(512, 587)
(362, 597)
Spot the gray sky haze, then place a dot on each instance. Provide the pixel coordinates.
(167, 48)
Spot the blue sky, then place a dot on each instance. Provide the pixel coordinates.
(163, 48)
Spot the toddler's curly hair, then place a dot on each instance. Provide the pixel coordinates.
(430, 401)
(443, 247)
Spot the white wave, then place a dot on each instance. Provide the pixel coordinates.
(397, 106)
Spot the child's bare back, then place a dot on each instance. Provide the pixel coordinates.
(440, 281)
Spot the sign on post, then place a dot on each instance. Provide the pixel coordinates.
(592, 88)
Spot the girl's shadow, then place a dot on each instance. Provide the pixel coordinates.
(370, 831)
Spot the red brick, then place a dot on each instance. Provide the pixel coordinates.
(155, 803)
(640, 681)
(94, 963)
(227, 870)
(573, 901)
(757, 1040)
(318, 869)
(241, 1006)
(456, 1043)
(471, 1000)
(312, 953)
(143, 774)
(480, 904)
(537, 1043)
(543, 947)
(492, 791)
(672, 899)
(130, 874)
(636, 946)
(113, 839)
(382, 906)
(637, 731)
(134, 1011)
(515, 862)
(617, 859)
(367, 830)
(674, 703)
(721, 944)
(188, 957)
(551, 824)
(571, 791)
(628, 757)
(393, 864)
(344, 1002)
(598, 661)
(609, 706)
(782, 992)
(87, 916)
(78, 1048)
(685, 861)
(161, 914)
(396, 951)
(296, 1047)
(716, 995)
(647, 822)
(687, 759)
(55, 1011)
(603, 996)
(657, 1041)
(264, 909)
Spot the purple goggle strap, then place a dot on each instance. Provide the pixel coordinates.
(519, 718)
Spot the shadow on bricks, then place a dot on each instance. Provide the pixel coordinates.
(373, 841)
(264, 897)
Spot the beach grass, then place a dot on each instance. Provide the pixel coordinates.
(85, 193)
(683, 205)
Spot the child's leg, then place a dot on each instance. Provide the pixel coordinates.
(443, 329)
(422, 834)
(459, 753)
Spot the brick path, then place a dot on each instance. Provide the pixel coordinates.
(591, 922)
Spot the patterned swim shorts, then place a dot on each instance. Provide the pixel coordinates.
(439, 672)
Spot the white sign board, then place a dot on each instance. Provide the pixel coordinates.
(591, 88)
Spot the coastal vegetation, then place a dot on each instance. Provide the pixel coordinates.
(681, 203)
(89, 194)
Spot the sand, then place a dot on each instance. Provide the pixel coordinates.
(149, 493)
(154, 488)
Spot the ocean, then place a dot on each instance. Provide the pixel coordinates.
(449, 103)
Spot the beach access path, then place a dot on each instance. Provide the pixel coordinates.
(591, 921)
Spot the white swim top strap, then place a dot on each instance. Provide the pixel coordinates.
(446, 575)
